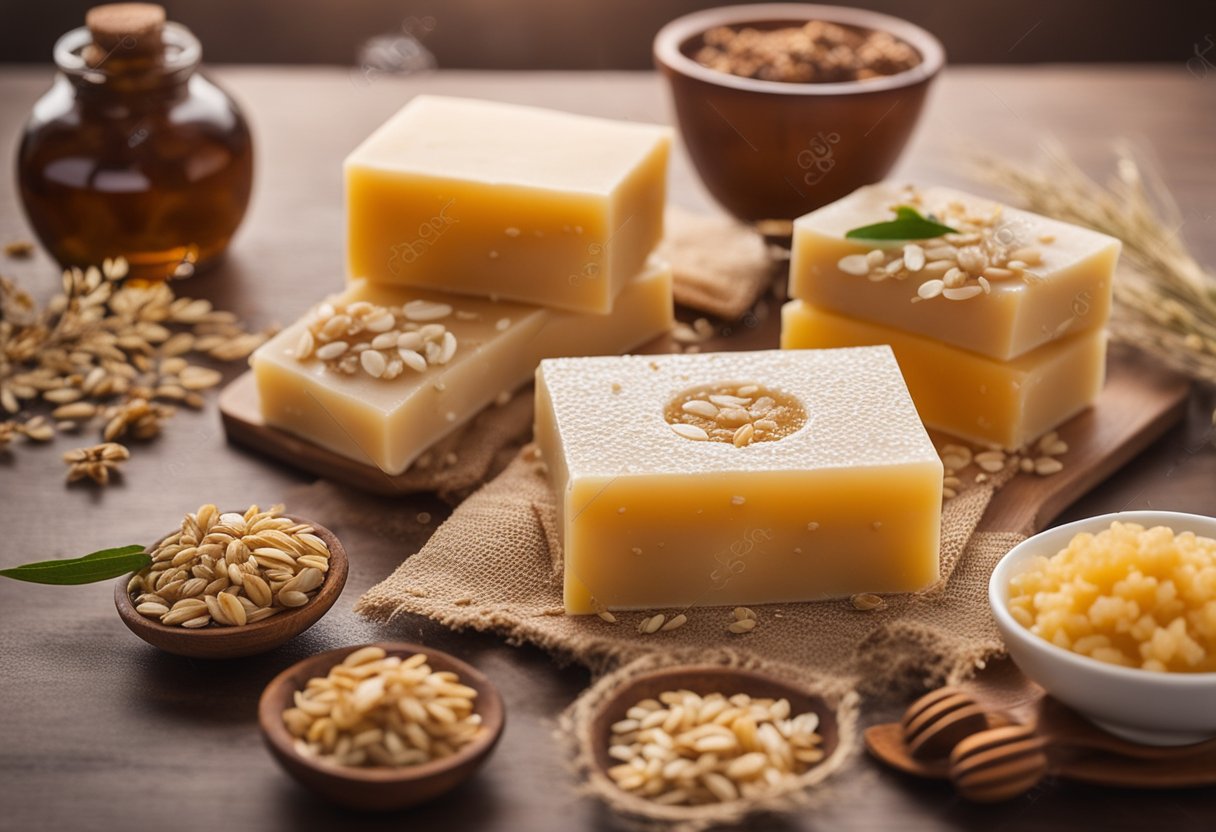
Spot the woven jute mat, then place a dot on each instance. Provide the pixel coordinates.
(718, 266)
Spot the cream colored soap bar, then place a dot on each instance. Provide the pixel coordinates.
(515, 202)
(1007, 403)
(1044, 279)
(422, 363)
(737, 478)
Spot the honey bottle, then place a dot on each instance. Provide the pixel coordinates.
(133, 152)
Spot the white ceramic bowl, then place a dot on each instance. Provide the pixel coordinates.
(1138, 705)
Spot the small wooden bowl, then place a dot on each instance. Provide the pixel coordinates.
(705, 679)
(774, 150)
(247, 640)
(379, 788)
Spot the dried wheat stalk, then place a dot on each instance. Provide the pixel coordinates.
(1165, 301)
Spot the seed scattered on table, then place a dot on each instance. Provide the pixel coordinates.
(97, 463)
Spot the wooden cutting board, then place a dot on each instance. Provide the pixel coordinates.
(1139, 403)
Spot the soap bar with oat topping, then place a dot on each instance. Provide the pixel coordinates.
(737, 478)
(1008, 283)
(1005, 403)
(485, 198)
(379, 373)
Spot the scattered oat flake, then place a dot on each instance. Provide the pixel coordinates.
(675, 623)
(690, 432)
(867, 602)
(1046, 466)
(96, 463)
(651, 625)
(746, 625)
(103, 350)
(855, 264)
(19, 249)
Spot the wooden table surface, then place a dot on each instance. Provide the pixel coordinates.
(100, 731)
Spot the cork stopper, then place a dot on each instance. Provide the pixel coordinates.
(126, 30)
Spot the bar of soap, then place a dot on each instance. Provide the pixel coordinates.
(439, 360)
(1064, 287)
(972, 396)
(483, 198)
(737, 478)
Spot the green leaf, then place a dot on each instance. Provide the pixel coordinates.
(907, 225)
(98, 566)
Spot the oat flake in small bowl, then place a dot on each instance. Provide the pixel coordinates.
(382, 726)
(233, 583)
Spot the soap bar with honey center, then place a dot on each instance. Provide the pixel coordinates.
(737, 478)
(419, 364)
(1005, 403)
(493, 199)
(1053, 279)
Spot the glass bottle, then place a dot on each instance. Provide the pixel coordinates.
(133, 152)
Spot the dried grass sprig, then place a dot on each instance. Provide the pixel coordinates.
(1165, 301)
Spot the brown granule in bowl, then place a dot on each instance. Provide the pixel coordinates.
(818, 52)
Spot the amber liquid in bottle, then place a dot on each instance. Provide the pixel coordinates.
(145, 159)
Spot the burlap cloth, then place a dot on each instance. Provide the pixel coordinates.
(496, 565)
(718, 266)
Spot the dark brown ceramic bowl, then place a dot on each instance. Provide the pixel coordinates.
(704, 679)
(251, 639)
(770, 151)
(379, 788)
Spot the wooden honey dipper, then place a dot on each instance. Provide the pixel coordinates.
(989, 758)
(934, 724)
